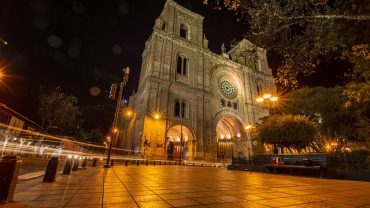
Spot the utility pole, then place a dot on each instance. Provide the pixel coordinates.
(126, 73)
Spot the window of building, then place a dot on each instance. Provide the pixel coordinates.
(235, 106)
(180, 109)
(182, 65)
(229, 104)
(259, 88)
(163, 25)
(183, 31)
(222, 103)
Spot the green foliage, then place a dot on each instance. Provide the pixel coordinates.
(326, 107)
(291, 131)
(358, 87)
(354, 160)
(92, 136)
(59, 111)
(303, 32)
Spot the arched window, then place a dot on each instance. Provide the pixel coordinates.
(180, 109)
(184, 31)
(182, 65)
(259, 87)
(177, 109)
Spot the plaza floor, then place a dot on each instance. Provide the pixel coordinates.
(179, 186)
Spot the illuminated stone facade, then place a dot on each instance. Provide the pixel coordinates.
(204, 100)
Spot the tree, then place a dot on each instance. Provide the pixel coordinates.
(303, 32)
(357, 89)
(326, 107)
(290, 131)
(58, 111)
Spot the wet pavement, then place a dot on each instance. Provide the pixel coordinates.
(180, 186)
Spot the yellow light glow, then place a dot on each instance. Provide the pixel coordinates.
(156, 116)
(266, 96)
(129, 113)
(273, 99)
(247, 127)
(260, 99)
(222, 136)
(115, 130)
(228, 136)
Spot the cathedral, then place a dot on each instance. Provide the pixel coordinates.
(193, 104)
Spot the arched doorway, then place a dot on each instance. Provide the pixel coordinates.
(179, 143)
(231, 138)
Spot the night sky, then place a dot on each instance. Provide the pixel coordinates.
(82, 46)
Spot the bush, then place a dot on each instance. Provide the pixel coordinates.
(355, 160)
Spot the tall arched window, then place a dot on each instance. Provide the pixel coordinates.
(184, 31)
(182, 65)
(259, 87)
(180, 108)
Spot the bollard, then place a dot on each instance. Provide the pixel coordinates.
(160, 162)
(9, 171)
(202, 165)
(84, 163)
(51, 170)
(126, 163)
(154, 163)
(67, 167)
(111, 162)
(138, 163)
(75, 165)
(164, 163)
(95, 162)
(146, 163)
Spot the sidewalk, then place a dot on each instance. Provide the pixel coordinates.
(180, 186)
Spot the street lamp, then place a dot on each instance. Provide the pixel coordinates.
(266, 98)
(3, 42)
(126, 72)
(269, 101)
(248, 127)
(157, 116)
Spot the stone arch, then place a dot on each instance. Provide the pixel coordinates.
(229, 137)
(184, 31)
(180, 141)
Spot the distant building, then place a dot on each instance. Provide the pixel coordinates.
(192, 98)
(13, 122)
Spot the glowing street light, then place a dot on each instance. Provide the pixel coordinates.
(267, 97)
(3, 42)
(273, 99)
(129, 113)
(260, 99)
(157, 116)
(115, 130)
(247, 127)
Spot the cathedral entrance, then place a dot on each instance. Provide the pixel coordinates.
(179, 143)
(230, 137)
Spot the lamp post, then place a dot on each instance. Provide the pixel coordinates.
(126, 73)
(181, 143)
(269, 101)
